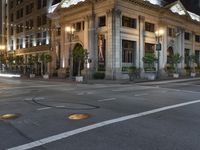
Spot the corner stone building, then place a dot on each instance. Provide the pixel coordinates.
(118, 33)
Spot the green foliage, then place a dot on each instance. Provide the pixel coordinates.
(79, 54)
(149, 59)
(99, 75)
(45, 58)
(132, 69)
(10, 58)
(175, 59)
(19, 60)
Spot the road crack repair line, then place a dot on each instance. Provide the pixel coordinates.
(67, 134)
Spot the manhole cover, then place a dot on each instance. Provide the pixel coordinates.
(79, 116)
(9, 116)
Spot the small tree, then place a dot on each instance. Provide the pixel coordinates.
(19, 60)
(149, 59)
(193, 60)
(175, 59)
(79, 56)
(45, 58)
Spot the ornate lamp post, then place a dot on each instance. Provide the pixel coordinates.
(159, 33)
(70, 30)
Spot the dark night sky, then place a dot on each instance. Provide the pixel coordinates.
(191, 5)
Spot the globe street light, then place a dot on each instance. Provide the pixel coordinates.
(158, 34)
(70, 30)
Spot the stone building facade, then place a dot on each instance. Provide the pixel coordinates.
(118, 33)
(28, 30)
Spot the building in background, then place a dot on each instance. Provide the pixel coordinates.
(118, 34)
(28, 34)
(3, 33)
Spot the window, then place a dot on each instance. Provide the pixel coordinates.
(39, 4)
(187, 36)
(31, 40)
(29, 8)
(197, 38)
(38, 39)
(19, 2)
(38, 21)
(78, 26)
(171, 32)
(102, 21)
(44, 4)
(149, 48)
(19, 28)
(128, 51)
(149, 27)
(44, 19)
(129, 22)
(11, 4)
(11, 17)
(58, 31)
(197, 53)
(44, 38)
(11, 30)
(187, 57)
(27, 41)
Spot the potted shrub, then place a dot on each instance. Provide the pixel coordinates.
(150, 70)
(45, 59)
(79, 54)
(175, 59)
(193, 60)
(131, 72)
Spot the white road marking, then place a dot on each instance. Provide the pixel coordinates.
(97, 125)
(43, 108)
(141, 94)
(108, 99)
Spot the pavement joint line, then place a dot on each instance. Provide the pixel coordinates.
(43, 108)
(108, 99)
(144, 94)
(67, 134)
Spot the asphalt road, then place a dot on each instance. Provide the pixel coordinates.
(122, 116)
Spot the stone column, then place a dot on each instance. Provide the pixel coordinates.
(113, 51)
(92, 39)
(163, 53)
(180, 46)
(141, 42)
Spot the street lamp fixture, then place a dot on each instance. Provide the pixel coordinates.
(159, 33)
(70, 30)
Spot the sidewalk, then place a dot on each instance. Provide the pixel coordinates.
(124, 81)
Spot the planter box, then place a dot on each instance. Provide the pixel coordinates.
(150, 75)
(46, 76)
(79, 78)
(32, 75)
(175, 75)
(193, 74)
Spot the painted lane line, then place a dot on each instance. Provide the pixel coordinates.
(43, 108)
(97, 125)
(137, 95)
(108, 99)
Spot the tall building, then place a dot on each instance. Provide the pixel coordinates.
(119, 33)
(29, 31)
(3, 32)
